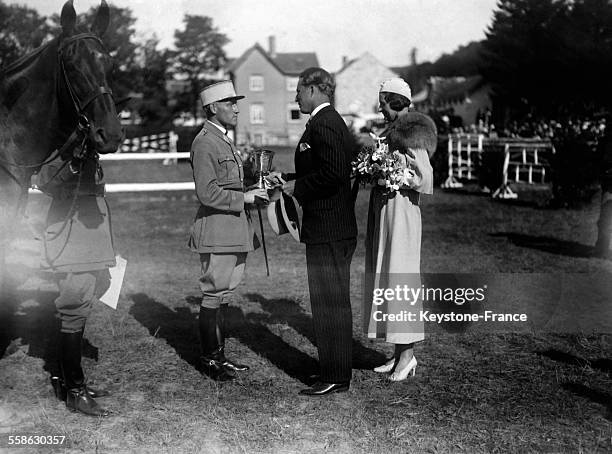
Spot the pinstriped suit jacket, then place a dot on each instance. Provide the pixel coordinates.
(322, 187)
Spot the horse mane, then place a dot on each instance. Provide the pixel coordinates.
(25, 60)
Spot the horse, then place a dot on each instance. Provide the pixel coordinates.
(52, 101)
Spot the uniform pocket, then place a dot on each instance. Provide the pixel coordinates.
(228, 169)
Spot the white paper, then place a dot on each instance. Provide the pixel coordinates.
(111, 297)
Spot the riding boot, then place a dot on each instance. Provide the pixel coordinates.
(77, 397)
(212, 350)
(221, 341)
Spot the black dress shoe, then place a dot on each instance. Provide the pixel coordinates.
(321, 389)
(59, 388)
(216, 370)
(235, 367)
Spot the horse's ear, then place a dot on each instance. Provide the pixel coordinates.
(68, 17)
(102, 19)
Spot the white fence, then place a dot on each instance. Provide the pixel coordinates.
(527, 162)
(161, 146)
(464, 156)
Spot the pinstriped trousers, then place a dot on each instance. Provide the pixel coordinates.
(328, 266)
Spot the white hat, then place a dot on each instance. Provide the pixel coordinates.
(219, 91)
(283, 216)
(396, 85)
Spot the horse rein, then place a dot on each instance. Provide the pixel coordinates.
(83, 126)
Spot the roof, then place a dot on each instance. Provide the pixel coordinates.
(365, 55)
(296, 62)
(347, 64)
(289, 64)
(454, 89)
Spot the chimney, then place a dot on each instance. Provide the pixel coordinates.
(272, 46)
(344, 60)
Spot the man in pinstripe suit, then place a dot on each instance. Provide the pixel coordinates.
(321, 184)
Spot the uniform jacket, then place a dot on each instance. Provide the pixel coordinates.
(78, 234)
(322, 172)
(221, 223)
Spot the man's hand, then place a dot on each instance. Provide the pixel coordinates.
(289, 187)
(274, 180)
(257, 196)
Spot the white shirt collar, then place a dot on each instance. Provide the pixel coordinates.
(318, 108)
(219, 127)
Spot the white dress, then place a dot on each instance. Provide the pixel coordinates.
(393, 256)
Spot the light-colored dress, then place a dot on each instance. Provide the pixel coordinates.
(393, 256)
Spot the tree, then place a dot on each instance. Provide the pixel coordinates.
(118, 40)
(550, 58)
(199, 53)
(152, 70)
(21, 31)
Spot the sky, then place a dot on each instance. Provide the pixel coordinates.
(387, 29)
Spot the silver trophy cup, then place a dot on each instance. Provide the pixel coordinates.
(262, 165)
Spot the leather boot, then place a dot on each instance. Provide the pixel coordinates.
(221, 340)
(212, 351)
(77, 397)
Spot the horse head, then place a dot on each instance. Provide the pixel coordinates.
(83, 83)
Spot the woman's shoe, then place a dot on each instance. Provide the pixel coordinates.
(402, 374)
(385, 368)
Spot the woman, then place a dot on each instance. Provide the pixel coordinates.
(393, 240)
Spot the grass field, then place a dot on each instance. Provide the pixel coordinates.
(473, 392)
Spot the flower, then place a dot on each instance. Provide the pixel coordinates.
(379, 166)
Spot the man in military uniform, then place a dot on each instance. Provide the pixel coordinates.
(77, 247)
(222, 232)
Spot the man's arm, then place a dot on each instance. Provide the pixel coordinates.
(333, 170)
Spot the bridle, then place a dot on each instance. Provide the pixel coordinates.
(79, 106)
(77, 141)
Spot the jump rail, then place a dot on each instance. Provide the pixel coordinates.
(522, 162)
(464, 156)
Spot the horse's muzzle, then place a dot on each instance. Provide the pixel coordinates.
(105, 143)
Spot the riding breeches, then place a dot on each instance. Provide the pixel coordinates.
(221, 274)
(78, 291)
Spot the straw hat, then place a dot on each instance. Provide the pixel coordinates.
(283, 216)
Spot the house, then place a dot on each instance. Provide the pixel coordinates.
(357, 85)
(269, 114)
(467, 97)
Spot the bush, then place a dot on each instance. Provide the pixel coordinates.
(575, 171)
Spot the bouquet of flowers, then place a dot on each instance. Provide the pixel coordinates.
(379, 166)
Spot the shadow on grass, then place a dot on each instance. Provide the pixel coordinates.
(29, 318)
(593, 395)
(602, 364)
(547, 244)
(178, 328)
(286, 311)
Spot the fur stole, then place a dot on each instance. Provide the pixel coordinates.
(413, 130)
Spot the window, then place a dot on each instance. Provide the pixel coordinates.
(292, 83)
(257, 114)
(293, 113)
(256, 83)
